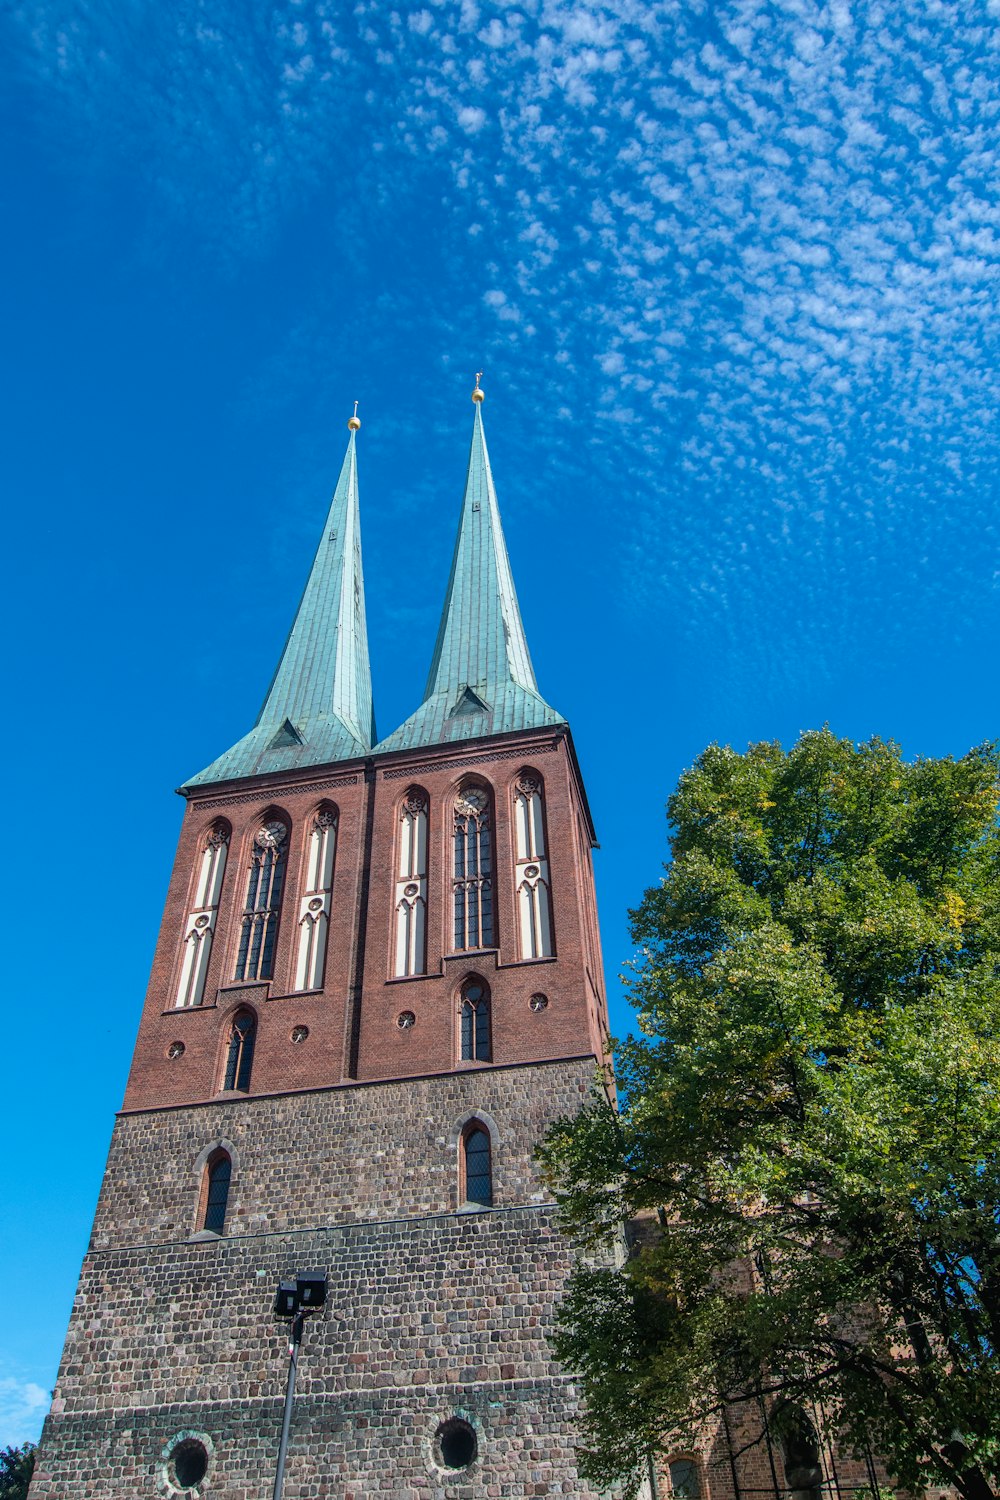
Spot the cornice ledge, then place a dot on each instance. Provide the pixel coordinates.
(541, 741)
(272, 784)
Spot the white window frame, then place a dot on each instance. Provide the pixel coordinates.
(199, 929)
(410, 951)
(315, 902)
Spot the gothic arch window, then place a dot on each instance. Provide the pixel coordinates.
(684, 1478)
(199, 928)
(239, 1054)
(218, 1176)
(314, 904)
(411, 886)
(474, 1021)
(472, 871)
(531, 868)
(476, 1185)
(262, 907)
(800, 1451)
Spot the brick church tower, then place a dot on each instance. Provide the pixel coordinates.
(378, 978)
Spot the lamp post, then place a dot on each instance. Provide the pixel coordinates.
(294, 1300)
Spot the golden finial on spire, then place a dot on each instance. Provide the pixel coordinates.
(477, 394)
(354, 422)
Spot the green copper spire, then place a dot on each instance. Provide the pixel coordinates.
(319, 705)
(481, 679)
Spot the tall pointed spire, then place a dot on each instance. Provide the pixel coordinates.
(481, 679)
(319, 705)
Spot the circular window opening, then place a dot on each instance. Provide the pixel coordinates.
(539, 1002)
(456, 1443)
(473, 991)
(176, 1049)
(405, 1020)
(189, 1461)
(299, 1033)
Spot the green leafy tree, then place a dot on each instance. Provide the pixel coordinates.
(16, 1468)
(812, 1109)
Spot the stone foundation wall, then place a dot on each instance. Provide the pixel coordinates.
(344, 1447)
(435, 1311)
(426, 1319)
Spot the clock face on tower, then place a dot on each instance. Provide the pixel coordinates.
(270, 835)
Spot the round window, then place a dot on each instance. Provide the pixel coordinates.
(189, 1462)
(175, 1050)
(473, 991)
(405, 1020)
(456, 1444)
(299, 1033)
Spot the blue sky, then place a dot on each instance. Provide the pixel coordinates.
(731, 270)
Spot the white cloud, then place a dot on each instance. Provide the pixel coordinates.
(471, 118)
(23, 1406)
(774, 223)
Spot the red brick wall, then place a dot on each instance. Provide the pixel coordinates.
(352, 1020)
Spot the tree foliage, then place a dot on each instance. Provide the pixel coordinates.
(812, 1106)
(16, 1468)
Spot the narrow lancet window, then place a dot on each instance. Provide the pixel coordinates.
(475, 1022)
(477, 1166)
(473, 870)
(531, 869)
(411, 886)
(200, 925)
(219, 1175)
(262, 909)
(239, 1058)
(314, 906)
(800, 1450)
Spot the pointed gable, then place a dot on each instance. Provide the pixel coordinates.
(319, 705)
(481, 679)
(468, 702)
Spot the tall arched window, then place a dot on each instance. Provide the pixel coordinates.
(200, 925)
(262, 908)
(684, 1478)
(473, 870)
(800, 1451)
(531, 868)
(475, 1022)
(477, 1165)
(314, 906)
(218, 1173)
(411, 886)
(239, 1058)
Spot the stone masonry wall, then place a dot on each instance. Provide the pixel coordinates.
(360, 1152)
(426, 1319)
(456, 1300)
(349, 1448)
(434, 1310)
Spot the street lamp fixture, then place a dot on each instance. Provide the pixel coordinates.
(294, 1301)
